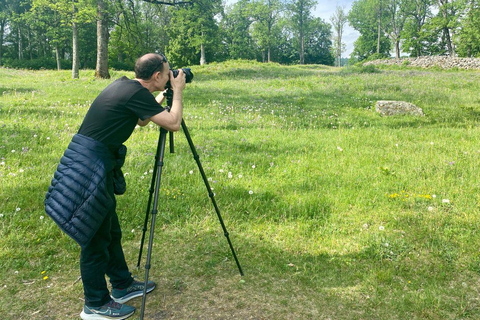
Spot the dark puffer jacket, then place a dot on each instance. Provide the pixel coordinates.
(81, 194)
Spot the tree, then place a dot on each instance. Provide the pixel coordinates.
(365, 16)
(301, 22)
(235, 27)
(414, 36)
(397, 13)
(266, 14)
(469, 37)
(339, 19)
(101, 69)
(193, 32)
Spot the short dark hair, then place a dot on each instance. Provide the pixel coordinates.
(148, 64)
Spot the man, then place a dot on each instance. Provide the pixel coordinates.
(81, 198)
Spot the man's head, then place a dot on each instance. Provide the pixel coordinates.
(153, 71)
(148, 64)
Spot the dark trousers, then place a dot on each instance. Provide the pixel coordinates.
(104, 256)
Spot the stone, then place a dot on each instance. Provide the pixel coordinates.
(392, 108)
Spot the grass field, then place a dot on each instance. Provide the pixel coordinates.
(334, 211)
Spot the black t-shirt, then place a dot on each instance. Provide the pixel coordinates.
(113, 115)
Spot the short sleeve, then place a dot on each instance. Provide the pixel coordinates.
(144, 105)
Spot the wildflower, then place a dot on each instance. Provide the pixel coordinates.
(240, 176)
(21, 170)
(2, 163)
(445, 201)
(191, 172)
(230, 176)
(13, 151)
(17, 209)
(42, 217)
(339, 149)
(381, 228)
(250, 192)
(253, 167)
(35, 136)
(1, 215)
(48, 138)
(431, 208)
(221, 170)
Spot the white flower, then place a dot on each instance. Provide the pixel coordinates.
(13, 151)
(381, 228)
(250, 192)
(35, 136)
(221, 170)
(445, 201)
(253, 167)
(386, 244)
(240, 176)
(18, 209)
(431, 208)
(1, 215)
(21, 170)
(2, 163)
(230, 175)
(339, 149)
(42, 217)
(191, 172)
(48, 138)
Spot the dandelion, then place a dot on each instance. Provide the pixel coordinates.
(250, 192)
(191, 172)
(42, 217)
(17, 209)
(253, 167)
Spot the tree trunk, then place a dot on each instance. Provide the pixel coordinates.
(75, 57)
(2, 32)
(397, 48)
(20, 47)
(379, 35)
(302, 48)
(101, 70)
(202, 55)
(57, 57)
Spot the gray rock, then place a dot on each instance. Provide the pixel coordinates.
(392, 108)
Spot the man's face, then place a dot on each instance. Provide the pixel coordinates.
(163, 77)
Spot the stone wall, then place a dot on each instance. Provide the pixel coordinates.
(431, 61)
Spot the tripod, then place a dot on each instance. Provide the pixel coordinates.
(154, 194)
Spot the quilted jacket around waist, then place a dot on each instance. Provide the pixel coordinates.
(79, 198)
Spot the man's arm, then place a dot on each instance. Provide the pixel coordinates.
(172, 120)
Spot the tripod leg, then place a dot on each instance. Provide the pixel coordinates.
(210, 192)
(158, 177)
(150, 197)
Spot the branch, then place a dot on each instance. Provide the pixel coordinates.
(174, 3)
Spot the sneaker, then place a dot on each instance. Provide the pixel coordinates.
(110, 310)
(133, 291)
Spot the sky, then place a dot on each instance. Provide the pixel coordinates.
(325, 10)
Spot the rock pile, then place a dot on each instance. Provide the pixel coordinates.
(431, 61)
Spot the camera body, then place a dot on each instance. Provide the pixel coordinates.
(188, 76)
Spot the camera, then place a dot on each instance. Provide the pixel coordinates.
(188, 76)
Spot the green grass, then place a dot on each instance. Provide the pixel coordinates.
(334, 211)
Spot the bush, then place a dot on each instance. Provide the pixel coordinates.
(36, 64)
